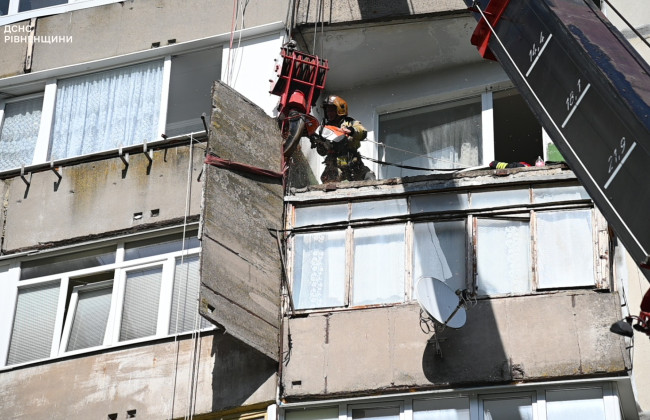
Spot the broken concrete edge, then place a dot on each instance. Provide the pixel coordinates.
(114, 234)
(435, 182)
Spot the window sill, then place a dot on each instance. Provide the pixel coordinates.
(147, 341)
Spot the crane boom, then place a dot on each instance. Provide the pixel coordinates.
(590, 90)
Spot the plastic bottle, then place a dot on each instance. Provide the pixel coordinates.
(539, 161)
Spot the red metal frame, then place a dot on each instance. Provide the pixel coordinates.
(482, 33)
(301, 79)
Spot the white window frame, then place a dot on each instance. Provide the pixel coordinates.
(43, 143)
(14, 16)
(470, 216)
(476, 396)
(487, 123)
(10, 284)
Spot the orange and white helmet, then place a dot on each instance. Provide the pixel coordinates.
(339, 103)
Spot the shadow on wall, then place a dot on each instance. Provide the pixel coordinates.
(473, 353)
(239, 373)
(375, 9)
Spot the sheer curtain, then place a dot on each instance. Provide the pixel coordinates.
(565, 254)
(503, 257)
(106, 110)
(379, 265)
(439, 251)
(319, 277)
(19, 132)
(440, 136)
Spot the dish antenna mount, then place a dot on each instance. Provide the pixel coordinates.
(442, 305)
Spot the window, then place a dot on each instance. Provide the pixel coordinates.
(19, 131)
(106, 110)
(597, 401)
(34, 8)
(372, 257)
(109, 109)
(133, 290)
(437, 136)
(459, 134)
(493, 241)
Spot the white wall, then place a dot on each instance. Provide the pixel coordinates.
(248, 67)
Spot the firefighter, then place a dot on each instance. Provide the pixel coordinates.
(342, 160)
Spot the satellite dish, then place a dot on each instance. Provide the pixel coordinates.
(440, 302)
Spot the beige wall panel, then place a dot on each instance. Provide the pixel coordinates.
(14, 51)
(155, 380)
(130, 26)
(504, 340)
(98, 197)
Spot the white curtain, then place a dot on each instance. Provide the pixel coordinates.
(141, 297)
(379, 265)
(19, 132)
(503, 257)
(319, 270)
(90, 318)
(441, 136)
(31, 337)
(441, 409)
(565, 254)
(439, 251)
(106, 110)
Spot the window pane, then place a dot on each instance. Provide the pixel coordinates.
(33, 328)
(379, 265)
(380, 413)
(68, 262)
(550, 194)
(569, 404)
(498, 198)
(319, 270)
(517, 133)
(106, 110)
(160, 245)
(565, 255)
(38, 4)
(441, 409)
(90, 318)
(378, 208)
(140, 312)
(328, 413)
(19, 133)
(439, 202)
(190, 90)
(319, 215)
(503, 256)
(185, 300)
(439, 251)
(512, 409)
(441, 136)
(4, 7)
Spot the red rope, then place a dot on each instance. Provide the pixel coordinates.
(229, 164)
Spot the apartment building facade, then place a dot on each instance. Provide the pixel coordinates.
(117, 233)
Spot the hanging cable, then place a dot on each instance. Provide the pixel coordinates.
(232, 35)
(419, 155)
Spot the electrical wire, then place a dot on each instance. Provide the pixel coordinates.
(460, 166)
